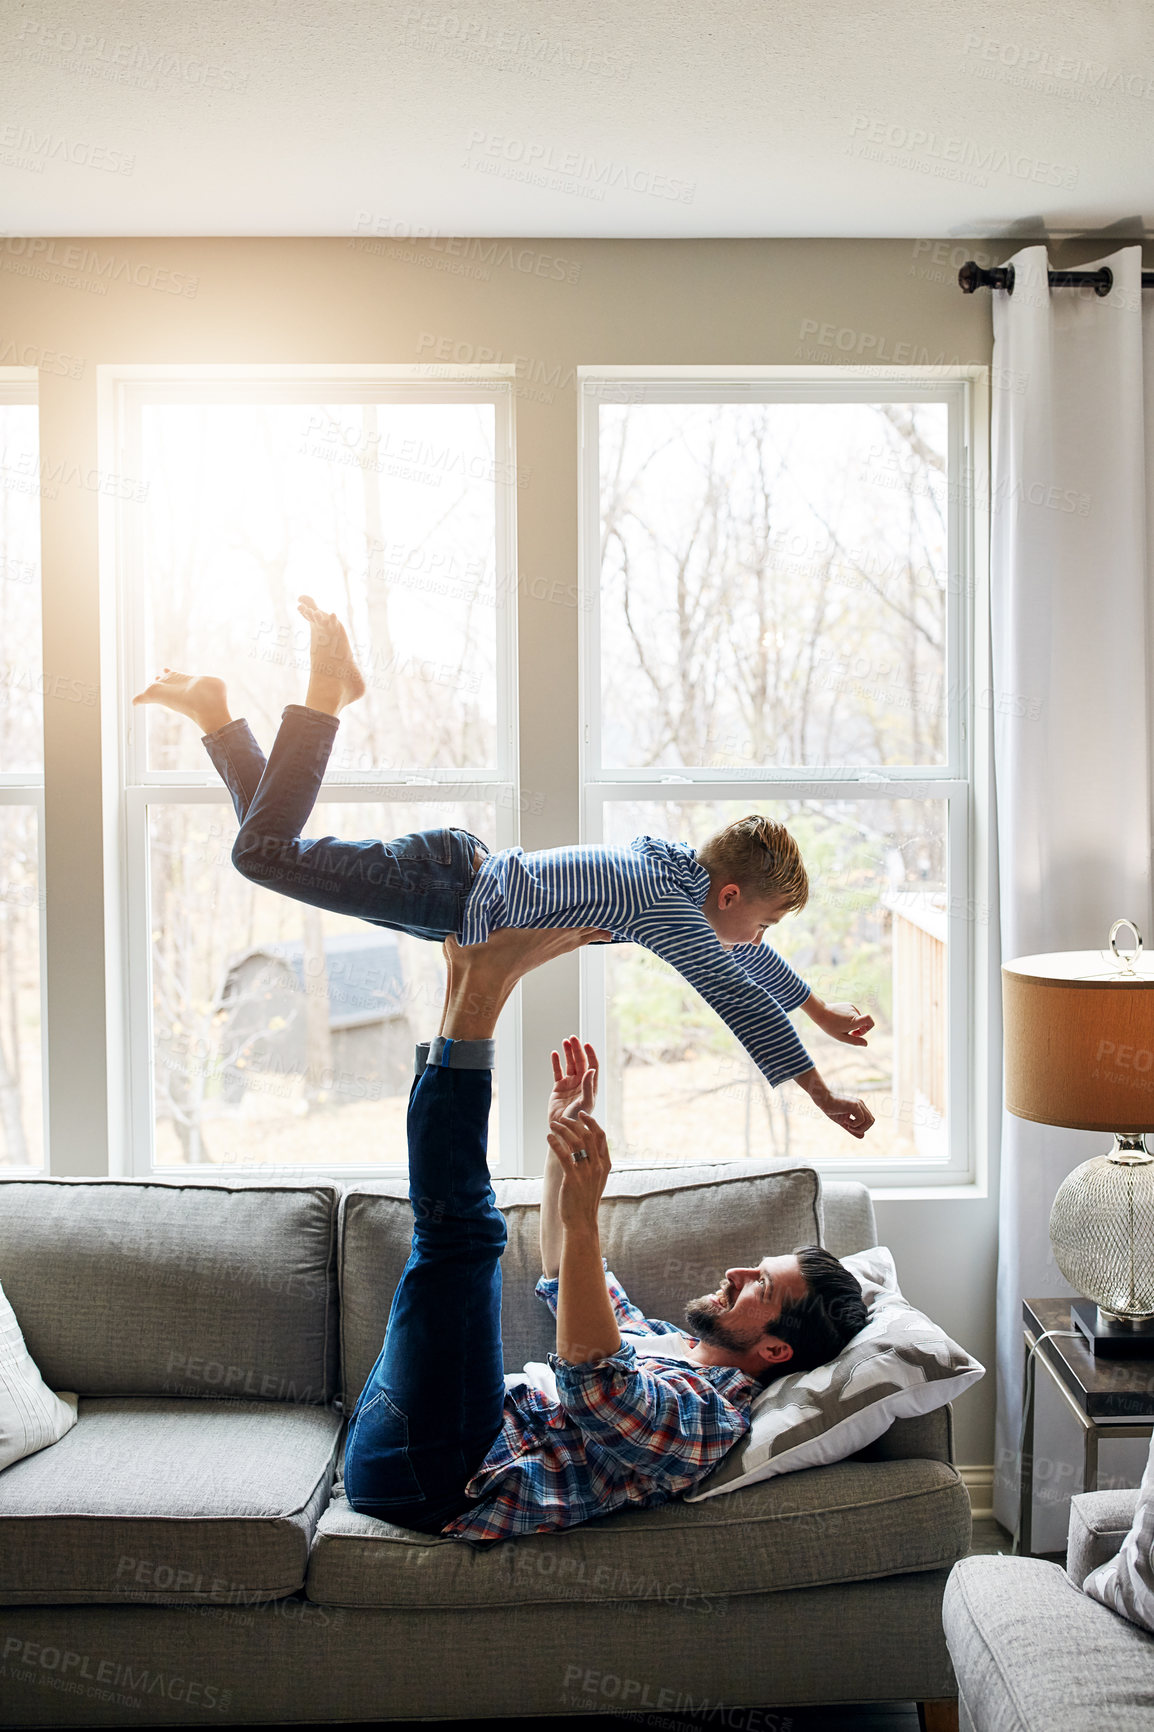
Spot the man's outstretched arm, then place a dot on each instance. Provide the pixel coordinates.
(586, 1326)
(574, 1089)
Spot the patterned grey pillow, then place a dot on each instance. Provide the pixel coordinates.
(1125, 1582)
(899, 1365)
(31, 1415)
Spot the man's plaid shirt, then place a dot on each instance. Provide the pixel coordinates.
(629, 1429)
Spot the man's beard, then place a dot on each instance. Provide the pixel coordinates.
(710, 1324)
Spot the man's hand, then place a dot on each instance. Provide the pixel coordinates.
(852, 1115)
(574, 1091)
(575, 1087)
(843, 1022)
(580, 1146)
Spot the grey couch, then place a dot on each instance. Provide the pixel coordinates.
(185, 1553)
(1033, 1653)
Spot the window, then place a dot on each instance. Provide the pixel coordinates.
(263, 1033)
(22, 1069)
(779, 611)
(778, 616)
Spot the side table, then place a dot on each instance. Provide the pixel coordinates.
(1108, 1397)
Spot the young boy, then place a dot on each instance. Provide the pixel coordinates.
(703, 911)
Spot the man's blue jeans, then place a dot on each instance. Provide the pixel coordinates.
(416, 883)
(433, 1403)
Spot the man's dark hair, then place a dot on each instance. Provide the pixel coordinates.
(818, 1326)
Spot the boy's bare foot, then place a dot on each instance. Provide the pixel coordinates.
(334, 677)
(200, 697)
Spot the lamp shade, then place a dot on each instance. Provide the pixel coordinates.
(1079, 1040)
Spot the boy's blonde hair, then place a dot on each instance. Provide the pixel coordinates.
(760, 857)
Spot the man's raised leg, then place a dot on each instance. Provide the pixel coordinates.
(433, 1403)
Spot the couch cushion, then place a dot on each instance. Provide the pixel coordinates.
(852, 1522)
(848, 1217)
(135, 1287)
(1033, 1654)
(1099, 1522)
(668, 1233)
(930, 1435)
(168, 1501)
(1125, 1583)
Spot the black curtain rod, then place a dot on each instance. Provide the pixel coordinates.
(972, 276)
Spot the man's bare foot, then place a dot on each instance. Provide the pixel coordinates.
(334, 677)
(200, 697)
(481, 976)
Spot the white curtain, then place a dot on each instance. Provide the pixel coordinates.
(1073, 388)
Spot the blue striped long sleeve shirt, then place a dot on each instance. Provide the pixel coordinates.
(652, 893)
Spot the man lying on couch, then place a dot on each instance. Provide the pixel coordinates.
(631, 1410)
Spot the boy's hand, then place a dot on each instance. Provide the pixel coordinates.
(575, 1087)
(583, 1152)
(853, 1116)
(844, 1022)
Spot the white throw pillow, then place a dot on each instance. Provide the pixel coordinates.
(897, 1366)
(31, 1417)
(1125, 1582)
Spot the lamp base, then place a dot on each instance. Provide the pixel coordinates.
(1109, 1339)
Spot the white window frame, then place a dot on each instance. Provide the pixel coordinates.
(26, 788)
(124, 390)
(963, 782)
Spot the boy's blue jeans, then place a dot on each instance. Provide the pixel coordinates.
(416, 883)
(433, 1403)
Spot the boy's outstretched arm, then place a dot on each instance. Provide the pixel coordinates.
(680, 935)
(844, 1022)
(852, 1115)
(765, 965)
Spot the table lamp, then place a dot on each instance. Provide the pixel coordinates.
(1079, 1051)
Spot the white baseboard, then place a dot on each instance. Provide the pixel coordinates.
(979, 1482)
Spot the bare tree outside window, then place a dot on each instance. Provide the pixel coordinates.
(284, 1035)
(773, 597)
(773, 584)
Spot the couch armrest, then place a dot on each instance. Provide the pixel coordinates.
(930, 1437)
(1099, 1522)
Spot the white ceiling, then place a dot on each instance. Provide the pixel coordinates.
(656, 118)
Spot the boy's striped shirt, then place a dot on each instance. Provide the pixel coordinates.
(652, 893)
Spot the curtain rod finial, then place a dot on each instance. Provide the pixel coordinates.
(972, 276)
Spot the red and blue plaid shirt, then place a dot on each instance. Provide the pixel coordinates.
(627, 1430)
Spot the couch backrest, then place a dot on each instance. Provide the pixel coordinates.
(162, 1287)
(850, 1223)
(668, 1233)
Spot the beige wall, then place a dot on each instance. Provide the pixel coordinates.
(556, 305)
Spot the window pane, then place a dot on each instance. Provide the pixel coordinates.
(382, 511)
(873, 933)
(282, 1035)
(773, 584)
(21, 703)
(21, 1092)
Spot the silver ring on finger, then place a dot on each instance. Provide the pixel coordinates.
(580, 1154)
